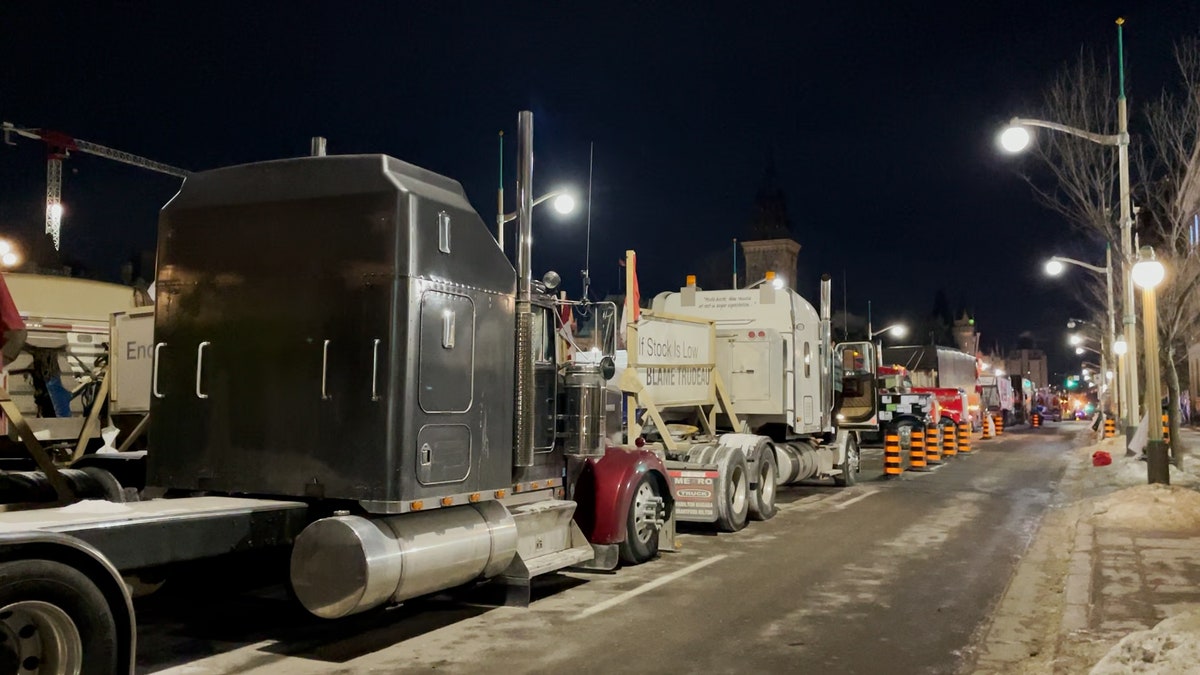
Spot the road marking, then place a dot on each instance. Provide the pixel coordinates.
(627, 595)
(859, 498)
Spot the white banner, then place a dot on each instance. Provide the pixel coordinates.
(674, 359)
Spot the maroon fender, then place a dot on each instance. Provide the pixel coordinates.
(605, 488)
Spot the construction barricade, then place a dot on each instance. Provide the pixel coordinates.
(1166, 424)
(986, 428)
(964, 438)
(1110, 427)
(1036, 420)
(916, 451)
(933, 445)
(999, 421)
(949, 441)
(892, 464)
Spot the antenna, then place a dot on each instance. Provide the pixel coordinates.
(587, 255)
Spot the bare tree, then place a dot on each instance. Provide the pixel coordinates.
(1083, 185)
(1170, 193)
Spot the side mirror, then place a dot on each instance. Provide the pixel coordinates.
(607, 368)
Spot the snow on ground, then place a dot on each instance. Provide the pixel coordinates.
(1133, 503)
(1170, 648)
(1126, 500)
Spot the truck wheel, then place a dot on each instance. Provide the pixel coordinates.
(733, 500)
(641, 533)
(762, 498)
(53, 619)
(849, 466)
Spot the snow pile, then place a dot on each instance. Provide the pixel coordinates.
(1172, 647)
(95, 507)
(1150, 507)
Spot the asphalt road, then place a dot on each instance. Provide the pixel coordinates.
(889, 576)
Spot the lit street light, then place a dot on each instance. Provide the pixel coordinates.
(564, 203)
(1055, 266)
(896, 330)
(1148, 273)
(1013, 140)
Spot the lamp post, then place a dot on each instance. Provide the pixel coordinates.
(898, 330)
(1148, 273)
(1054, 267)
(1015, 138)
(564, 203)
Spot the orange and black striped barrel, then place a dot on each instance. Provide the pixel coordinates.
(986, 428)
(1110, 427)
(1036, 420)
(916, 450)
(933, 445)
(891, 454)
(964, 438)
(949, 442)
(999, 420)
(1166, 429)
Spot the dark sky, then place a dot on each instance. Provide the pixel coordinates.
(880, 118)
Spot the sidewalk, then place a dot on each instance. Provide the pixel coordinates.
(1109, 563)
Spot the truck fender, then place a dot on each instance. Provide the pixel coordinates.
(605, 488)
(60, 548)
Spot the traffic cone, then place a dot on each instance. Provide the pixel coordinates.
(891, 454)
(964, 438)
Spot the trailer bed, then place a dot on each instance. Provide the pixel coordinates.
(161, 531)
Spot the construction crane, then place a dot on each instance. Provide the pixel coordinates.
(59, 146)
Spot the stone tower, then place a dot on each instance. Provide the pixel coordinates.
(964, 334)
(772, 247)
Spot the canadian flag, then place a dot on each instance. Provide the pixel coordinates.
(566, 318)
(632, 310)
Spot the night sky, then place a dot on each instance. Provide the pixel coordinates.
(880, 120)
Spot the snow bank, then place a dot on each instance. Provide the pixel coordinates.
(1170, 648)
(96, 507)
(1150, 507)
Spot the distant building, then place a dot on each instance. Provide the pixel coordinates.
(1029, 363)
(965, 336)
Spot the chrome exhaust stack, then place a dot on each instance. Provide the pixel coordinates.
(826, 351)
(523, 425)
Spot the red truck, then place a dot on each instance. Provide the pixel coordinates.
(948, 374)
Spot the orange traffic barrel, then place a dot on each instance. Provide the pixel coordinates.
(949, 442)
(933, 445)
(1110, 427)
(916, 450)
(1166, 430)
(964, 438)
(999, 419)
(986, 428)
(1036, 420)
(891, 454)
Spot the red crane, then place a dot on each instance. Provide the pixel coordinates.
(59, 146)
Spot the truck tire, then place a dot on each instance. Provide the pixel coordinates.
(762, 497)
(850, 466)
(53, 619)
(641, 535)
(733, 499)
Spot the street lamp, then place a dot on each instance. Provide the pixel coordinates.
(1011, 140)
(564, 203)
(1055, 266)
(1148, 273)
(897, 330)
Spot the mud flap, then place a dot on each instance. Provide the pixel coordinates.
(695, 488)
